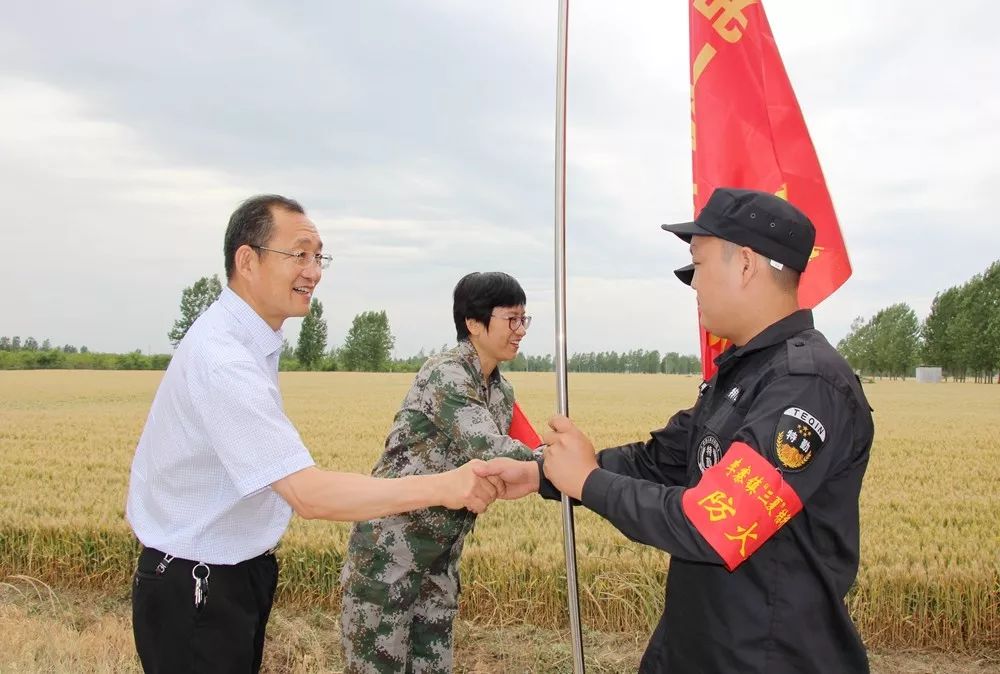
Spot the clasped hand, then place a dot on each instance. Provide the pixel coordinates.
(569, 460)
(569, 456)
(478, 483)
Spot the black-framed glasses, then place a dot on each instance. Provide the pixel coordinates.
(516, 322)
(301, 257)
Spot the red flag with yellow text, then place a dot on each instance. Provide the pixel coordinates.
(747, 131)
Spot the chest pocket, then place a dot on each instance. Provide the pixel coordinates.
(727, 419)
(716, 432)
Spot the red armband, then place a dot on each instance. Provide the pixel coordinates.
(739, 503)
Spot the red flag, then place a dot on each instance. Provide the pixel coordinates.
(747, 131)
(521, 429)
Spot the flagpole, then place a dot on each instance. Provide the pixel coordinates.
(569, 538)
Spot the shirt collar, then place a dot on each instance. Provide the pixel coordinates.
(266, 340)
(775, 333)
(468, 353)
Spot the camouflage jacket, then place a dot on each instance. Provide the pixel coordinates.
(450, 416)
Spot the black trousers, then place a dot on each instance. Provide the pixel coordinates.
(224, 635)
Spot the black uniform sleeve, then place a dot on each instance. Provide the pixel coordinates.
(803, 426)
(639, 487)
(660, 459)
(651, 512)
(648, 513)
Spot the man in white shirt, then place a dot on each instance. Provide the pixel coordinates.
(219, 468)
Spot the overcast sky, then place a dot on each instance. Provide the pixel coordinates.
(419, 137)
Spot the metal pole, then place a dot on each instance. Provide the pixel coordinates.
(569, 538)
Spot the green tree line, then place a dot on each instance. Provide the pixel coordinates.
(961, 334)
(82, 359)
(637, 360)
(367, 347)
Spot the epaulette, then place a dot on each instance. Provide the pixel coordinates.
(800, 356)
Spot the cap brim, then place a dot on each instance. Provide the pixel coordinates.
(685, 230)
(685, 274)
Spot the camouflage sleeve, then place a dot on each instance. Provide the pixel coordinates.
(461, 413)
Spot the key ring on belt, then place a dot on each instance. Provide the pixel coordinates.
(208, 571)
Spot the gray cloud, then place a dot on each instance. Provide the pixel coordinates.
(419, 136)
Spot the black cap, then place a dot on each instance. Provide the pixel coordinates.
(759, 220)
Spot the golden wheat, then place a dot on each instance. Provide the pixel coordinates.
(929, 576)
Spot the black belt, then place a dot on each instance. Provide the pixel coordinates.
(200, 571)
(166, 559)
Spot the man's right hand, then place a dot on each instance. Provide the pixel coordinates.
(520, 478)
(464, 487)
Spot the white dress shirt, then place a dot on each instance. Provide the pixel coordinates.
(216, 438)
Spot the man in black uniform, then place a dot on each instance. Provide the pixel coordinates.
(754, 490)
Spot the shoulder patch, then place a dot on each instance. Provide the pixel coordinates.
(798, 437)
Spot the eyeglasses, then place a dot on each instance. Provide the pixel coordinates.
(301, 257)
(516, 322)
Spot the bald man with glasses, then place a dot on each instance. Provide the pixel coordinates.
(219, 468)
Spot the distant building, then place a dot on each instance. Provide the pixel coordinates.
(929, 375)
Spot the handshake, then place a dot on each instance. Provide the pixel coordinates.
(569, 459)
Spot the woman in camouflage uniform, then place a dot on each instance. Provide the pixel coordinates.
(400, 580)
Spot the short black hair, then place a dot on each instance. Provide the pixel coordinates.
(251, 224)
(786, 278)
(478, 293)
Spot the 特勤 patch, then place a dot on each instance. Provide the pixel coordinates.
(797, 439)
(709, 452)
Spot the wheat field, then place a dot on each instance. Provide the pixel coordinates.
(930, 575)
